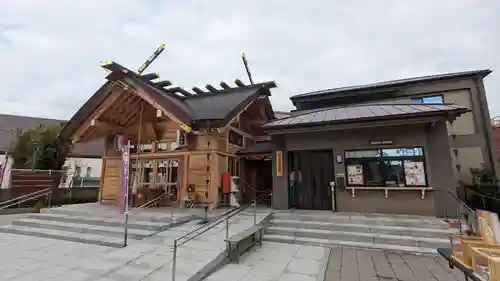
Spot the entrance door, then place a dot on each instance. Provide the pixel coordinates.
(314, 172)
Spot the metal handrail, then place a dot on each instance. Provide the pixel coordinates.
(25, 196)
(461, 203)
(147, 204)
(211, 225)
(459, 200)
(35, 196)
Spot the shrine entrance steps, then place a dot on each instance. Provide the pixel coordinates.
(95, 224)
(398, 233)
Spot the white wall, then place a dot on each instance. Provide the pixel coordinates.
(6, 176)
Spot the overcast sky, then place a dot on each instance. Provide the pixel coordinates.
(50, 50)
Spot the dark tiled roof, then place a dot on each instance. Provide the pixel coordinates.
(207, 105)
(258, 147)
(10, 123)
(212, 106)
(398, 82)
(362, 113)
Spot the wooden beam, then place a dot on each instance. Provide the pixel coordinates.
(224, 85)
(239, 83)
(211, 88)
(180, 90)
(198, 91)
(149, 76)
(163, 84)
(105, 125)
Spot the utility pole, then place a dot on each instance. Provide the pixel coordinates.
(245, 63)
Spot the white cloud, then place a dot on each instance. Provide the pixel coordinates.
(50, 50)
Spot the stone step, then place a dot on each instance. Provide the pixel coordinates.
(66, 211)
(86, 238)
(132, 224)
(364, 237)
(366, 219)
(365, 228)
(85, 228)
(351, 244)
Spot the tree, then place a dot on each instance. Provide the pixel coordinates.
(41, 148)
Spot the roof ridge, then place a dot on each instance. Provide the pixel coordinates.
(394, 82)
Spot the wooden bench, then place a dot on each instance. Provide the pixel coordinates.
(239, 243)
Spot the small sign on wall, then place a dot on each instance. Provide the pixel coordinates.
(279, 163)
(379, 142)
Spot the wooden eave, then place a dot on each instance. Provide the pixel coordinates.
(122, 103)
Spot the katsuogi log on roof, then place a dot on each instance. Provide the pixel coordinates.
(197, 109)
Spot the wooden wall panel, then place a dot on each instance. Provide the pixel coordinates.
(112, 180)
(168, 130)
(198, 175)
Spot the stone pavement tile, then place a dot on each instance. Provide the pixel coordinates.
(400, 268)
(197, 255)
(295, 277)
(40, 275)
(453, 271)
(310, 252)
(152, 261)
(366, 267)
(251, 258)
(99, 266)
(304, 266)
(11, 273)
(382, 265)
(265, 270)
(437, 270)
(165, 273)
(230, 272)
(74, 275)
(417, 267)
(187, 266)
(129, 273)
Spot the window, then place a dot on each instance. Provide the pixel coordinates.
(393, 167)
(235, 139)
(429, 99)
(88, 173)
(78, 171)
(146, 147)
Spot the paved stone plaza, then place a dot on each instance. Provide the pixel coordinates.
(360, 265)
(276, 262)
(33, 258)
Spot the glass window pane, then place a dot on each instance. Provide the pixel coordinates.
(433, 99)
(362, 153)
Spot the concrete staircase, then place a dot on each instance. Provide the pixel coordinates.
(413, 234)
(89, 227)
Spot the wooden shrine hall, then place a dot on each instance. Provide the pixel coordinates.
(181, 139)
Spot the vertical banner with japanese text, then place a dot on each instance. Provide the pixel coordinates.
(125, 179)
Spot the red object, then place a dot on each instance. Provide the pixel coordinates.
(226, 182)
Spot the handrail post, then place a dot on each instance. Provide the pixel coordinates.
(174, 260)
(227, 228)
(254, 205)
(459, 220)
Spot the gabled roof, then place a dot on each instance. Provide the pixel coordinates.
(10, 123)
(211, 105)
(392, 83)
(361, 113)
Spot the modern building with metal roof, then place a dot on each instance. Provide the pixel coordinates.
(389, 147)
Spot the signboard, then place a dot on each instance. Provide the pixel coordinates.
(380, 142)
(125, 179)
(279, 163)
